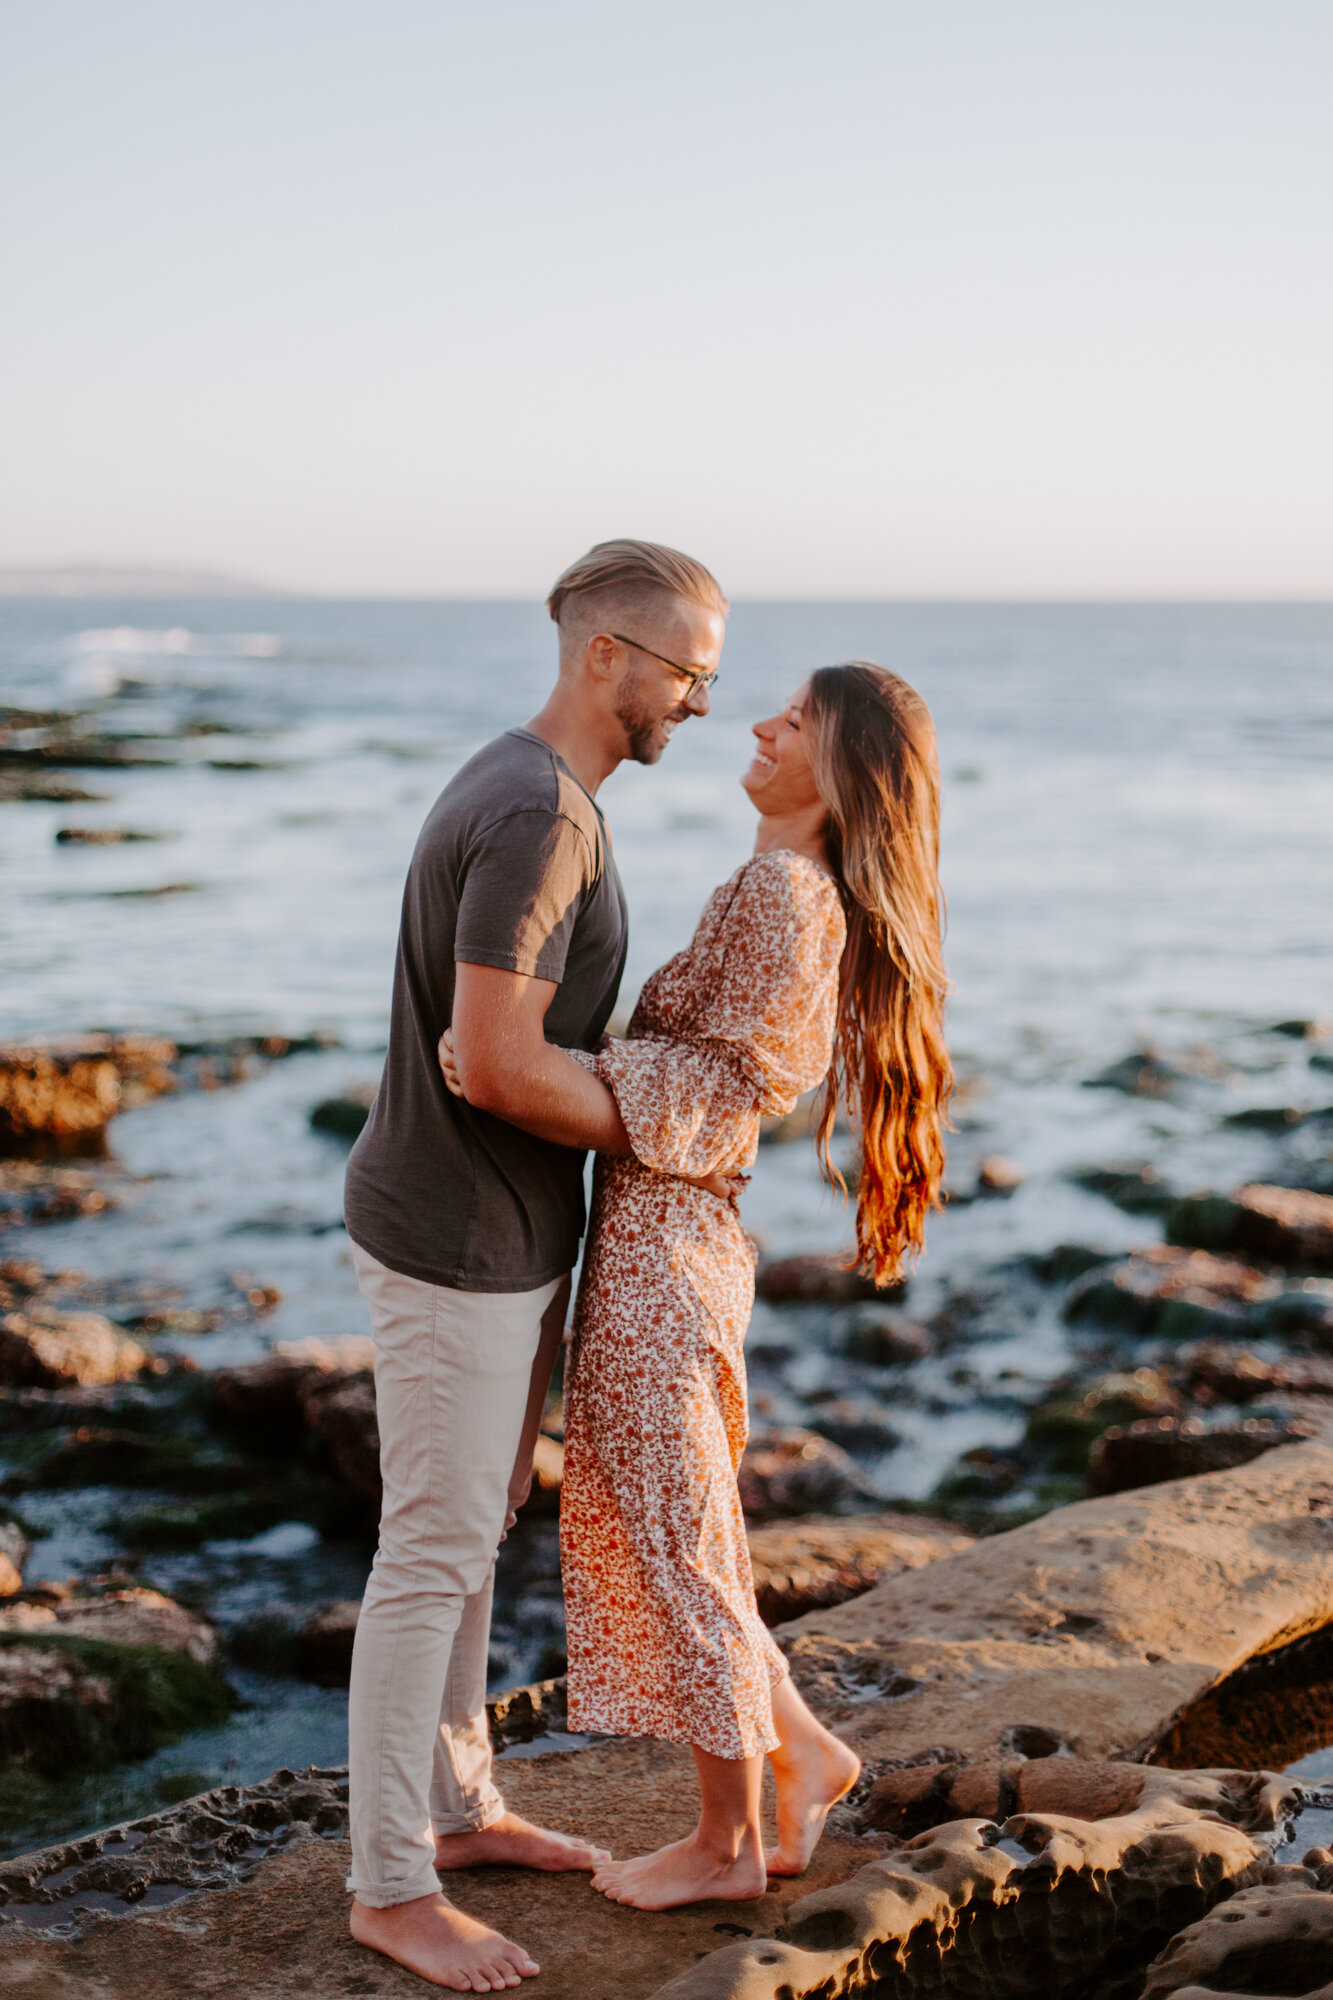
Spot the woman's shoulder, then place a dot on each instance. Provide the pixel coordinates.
(782, 871)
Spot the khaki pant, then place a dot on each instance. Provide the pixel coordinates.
(452, 1377)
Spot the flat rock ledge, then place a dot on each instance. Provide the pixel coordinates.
(1020, 1692)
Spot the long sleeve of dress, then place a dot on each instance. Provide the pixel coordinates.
(691, 1106)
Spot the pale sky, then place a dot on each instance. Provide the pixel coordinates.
(873, 298)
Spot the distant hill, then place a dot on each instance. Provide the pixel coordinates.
(109, 580)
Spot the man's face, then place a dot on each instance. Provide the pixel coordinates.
(653, 698)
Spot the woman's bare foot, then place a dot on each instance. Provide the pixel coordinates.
(812, 1775)
(685, 1872)
(430, 1937)
(512, 1842)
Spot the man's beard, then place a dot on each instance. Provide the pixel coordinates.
(639, 721)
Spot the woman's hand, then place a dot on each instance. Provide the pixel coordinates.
(728, 1183)
(445, 1052)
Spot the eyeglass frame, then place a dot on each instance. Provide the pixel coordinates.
(700, 678)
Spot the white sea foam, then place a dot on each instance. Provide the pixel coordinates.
(141, 642)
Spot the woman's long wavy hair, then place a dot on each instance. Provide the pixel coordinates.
(875, 764)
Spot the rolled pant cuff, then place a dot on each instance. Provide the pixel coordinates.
(476, 1821)
(386, 1897)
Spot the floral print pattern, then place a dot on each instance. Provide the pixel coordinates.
(664, 1636)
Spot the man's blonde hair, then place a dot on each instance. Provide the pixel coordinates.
(630, 566)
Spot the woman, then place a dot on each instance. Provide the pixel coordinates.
(818, 961)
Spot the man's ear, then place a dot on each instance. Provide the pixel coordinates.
(601, 653)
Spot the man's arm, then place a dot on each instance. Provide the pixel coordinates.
(506, 1065)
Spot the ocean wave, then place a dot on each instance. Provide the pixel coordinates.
(139, 642)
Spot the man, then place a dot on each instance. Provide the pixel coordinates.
(465, 1228)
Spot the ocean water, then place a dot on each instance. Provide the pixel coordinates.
(1137, 850)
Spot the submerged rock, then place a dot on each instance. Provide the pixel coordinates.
(1288, 1225)
(1173, 1292)
(1134, 1185)
(1143, 1074)
(344, 1116)
(786, 1472)
(44, 1348)
(886, 1339)
(816, 1280)
(91, 1682)
(323, 1649)
(340, 1410)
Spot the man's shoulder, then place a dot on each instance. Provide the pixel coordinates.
(516, 775)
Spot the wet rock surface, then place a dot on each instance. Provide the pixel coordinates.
(1273, 1939)
(1291, 1225)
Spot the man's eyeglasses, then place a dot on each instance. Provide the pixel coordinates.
(697, 678)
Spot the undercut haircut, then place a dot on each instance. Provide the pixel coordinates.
(628, 567)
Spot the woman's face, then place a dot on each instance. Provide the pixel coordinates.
(779, 779)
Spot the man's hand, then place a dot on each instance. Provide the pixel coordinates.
(448, 1065)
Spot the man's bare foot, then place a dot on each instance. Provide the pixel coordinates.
(810, 1780)
(685, 1872)
(512, 1842)
(430, 1937)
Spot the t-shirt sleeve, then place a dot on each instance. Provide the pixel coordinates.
(524, 881)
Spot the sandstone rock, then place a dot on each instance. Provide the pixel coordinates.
(1288, 1225)
(45, 1348)
(1277, 1705)
(1159, 1448)
(1273, 1939)
(14, 1552)
(802, 1565)
(1214, 1373)
(73, 1089)
(945, 1912)
(998, 1176)
(815, 1280)
(796, 1471)
(138, 1617)
(267, 1394)
(1100, 1621)
(909, 1800)
(323, 1650)
(548, 1471)
(39, 1191)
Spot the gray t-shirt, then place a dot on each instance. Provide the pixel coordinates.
(513, 868)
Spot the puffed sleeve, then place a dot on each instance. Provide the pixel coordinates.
(693, 1106)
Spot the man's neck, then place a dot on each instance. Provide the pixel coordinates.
(581, 740)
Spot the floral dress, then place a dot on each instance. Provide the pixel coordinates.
(664, 1636)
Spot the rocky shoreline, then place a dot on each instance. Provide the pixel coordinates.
(1001, 1836)
(1009, 1660)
